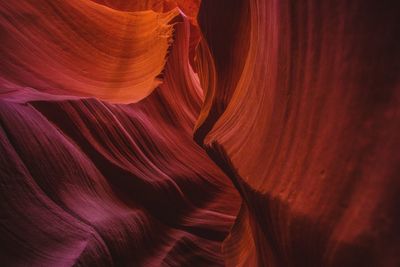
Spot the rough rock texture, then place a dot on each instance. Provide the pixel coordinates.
(180, 133)
(307, 110)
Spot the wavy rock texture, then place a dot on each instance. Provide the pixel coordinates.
(303, 115)
(82, 48)
(90, 183)
(262, 133)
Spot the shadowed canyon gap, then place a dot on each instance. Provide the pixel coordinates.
(199, 133)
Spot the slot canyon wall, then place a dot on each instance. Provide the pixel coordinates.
(199, 133)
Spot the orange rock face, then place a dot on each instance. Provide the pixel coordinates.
(307, 109)
(188, 133)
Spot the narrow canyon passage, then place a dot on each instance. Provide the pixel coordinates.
(199, 133)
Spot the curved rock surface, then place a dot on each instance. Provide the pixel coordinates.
(303, 115)
(180, 133)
